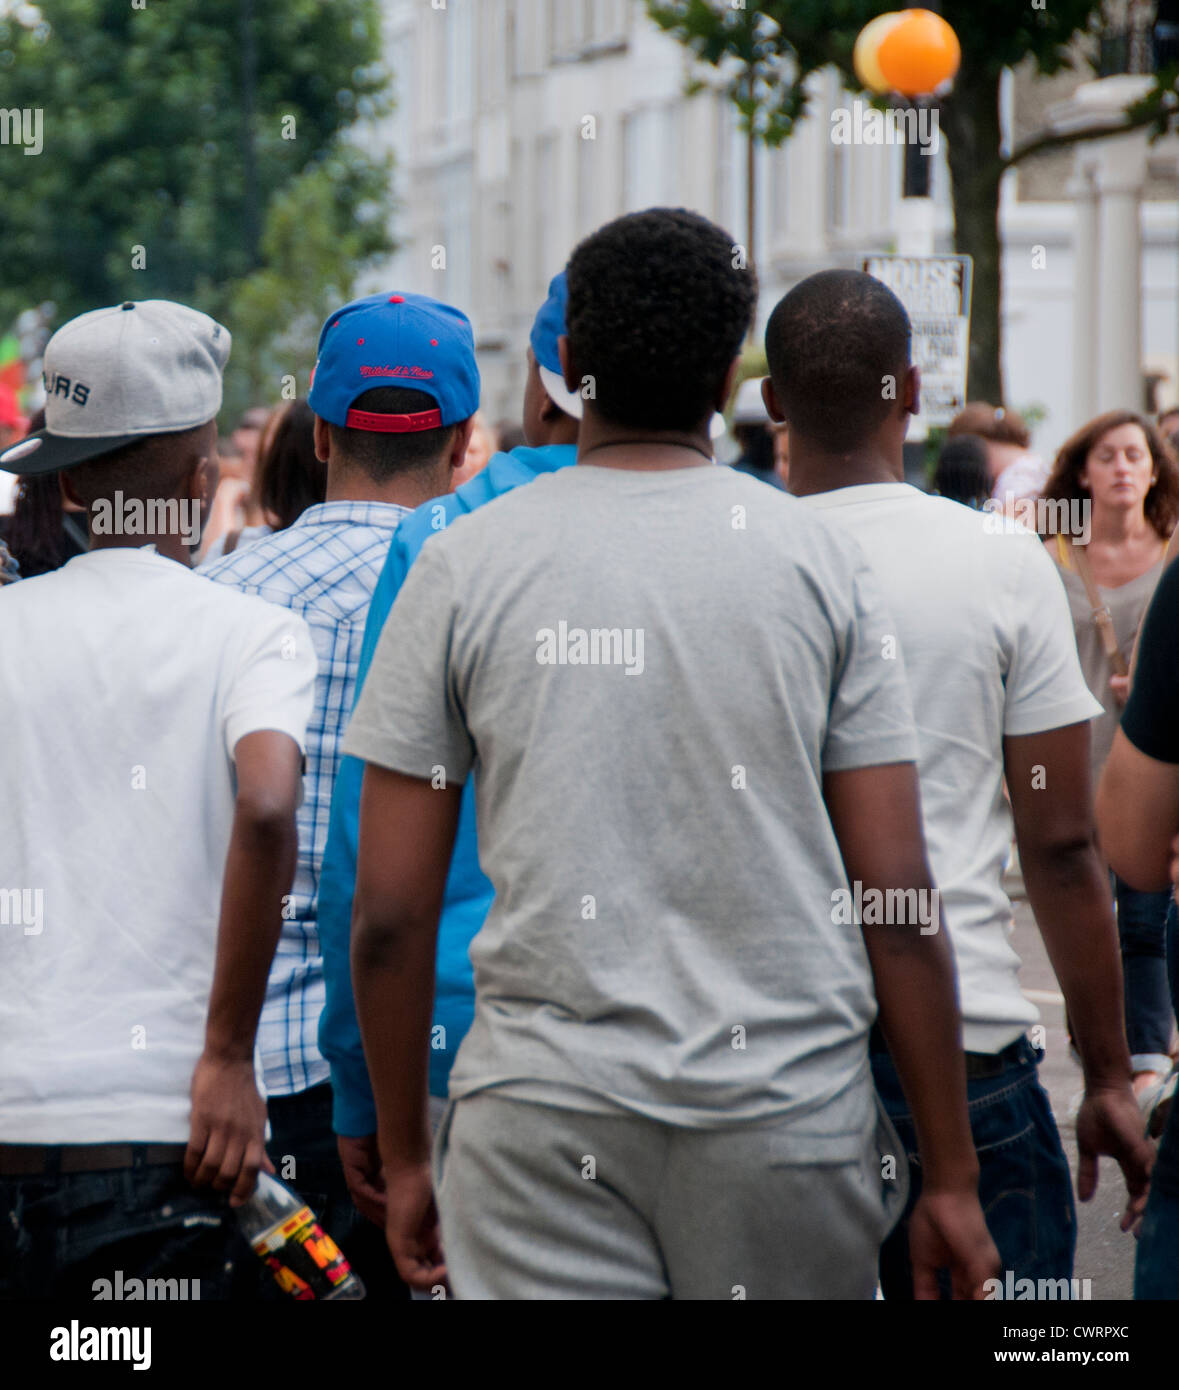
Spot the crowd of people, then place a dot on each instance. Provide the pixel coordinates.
(577, 867)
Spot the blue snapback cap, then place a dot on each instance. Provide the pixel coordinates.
(395, 340)
(548, 326)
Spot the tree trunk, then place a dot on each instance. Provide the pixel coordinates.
(970, 119)
(251, 213)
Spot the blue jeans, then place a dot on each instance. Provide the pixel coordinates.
(1025, 1186)
(1149, 1016)
(1156, 1269)
(59, 1235)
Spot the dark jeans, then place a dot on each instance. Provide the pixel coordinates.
(59, 1235)
(1156, 1269)
(1149, 1017)
(301, 1129)
(1024, 1182)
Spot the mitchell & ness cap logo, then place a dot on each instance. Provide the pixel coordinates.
(418, 373)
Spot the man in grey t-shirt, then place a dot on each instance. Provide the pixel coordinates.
(649, 661)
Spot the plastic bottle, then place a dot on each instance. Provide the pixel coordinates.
(285, 1235)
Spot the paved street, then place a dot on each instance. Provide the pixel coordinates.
(1104, 1255)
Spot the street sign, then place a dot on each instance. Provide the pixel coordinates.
(936, 292)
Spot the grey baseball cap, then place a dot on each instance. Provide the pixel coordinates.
(116, 375)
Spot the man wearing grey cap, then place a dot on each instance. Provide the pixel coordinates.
(154, 735)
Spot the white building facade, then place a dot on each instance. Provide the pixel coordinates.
(520, 125)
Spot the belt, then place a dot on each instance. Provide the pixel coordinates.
(980, 1066)
(32, 1160)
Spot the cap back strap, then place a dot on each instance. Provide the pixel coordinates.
(394, 424)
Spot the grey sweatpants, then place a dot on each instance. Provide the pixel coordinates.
(537, 1201)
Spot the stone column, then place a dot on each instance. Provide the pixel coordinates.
(1120, 178)
(1083, 192)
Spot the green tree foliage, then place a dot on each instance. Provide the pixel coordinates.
(163, 129)
(780, 43)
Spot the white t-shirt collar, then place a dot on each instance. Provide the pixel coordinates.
(861, 492)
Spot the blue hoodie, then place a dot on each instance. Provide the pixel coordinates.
(468, 890)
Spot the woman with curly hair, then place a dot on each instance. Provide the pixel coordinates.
(1125, 477)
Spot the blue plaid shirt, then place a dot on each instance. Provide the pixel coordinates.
(325, 568)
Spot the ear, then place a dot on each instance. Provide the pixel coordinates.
(770, 401)
(462, 438)
(323, 440)
(568, 366)
(729, 383)
(69, 492)
(911, 395)
(202, 480)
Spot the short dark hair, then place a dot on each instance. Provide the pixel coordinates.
(153, 466)
(34, 532)
(756, 443)
(994, 423)
(659, 302)
(831, 344)
(383, 456)
(961, 473)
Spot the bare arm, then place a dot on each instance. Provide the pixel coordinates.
(226, 1142)
(1137, 815)
(1069, 891)
(407, 830)
(876, 815)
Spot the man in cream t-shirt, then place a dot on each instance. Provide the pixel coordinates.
(153, 727)
(984, 630)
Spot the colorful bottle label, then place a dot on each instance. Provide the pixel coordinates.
(306, 1261)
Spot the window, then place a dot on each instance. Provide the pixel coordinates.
(588, 165)
(458, 69)
(608, 21)
(650, 158)
(547, 261)
(577, 27)
(532, 22)
(494, 49)
(454, 185)
(569, 28)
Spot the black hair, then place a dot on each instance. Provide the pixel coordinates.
(756, 443)
(382, 456)
(35, 532)
(290, 477)
(834, 344)
(961, 473)
(659, 302)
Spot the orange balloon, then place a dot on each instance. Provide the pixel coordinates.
(919, 54)
(864, 59)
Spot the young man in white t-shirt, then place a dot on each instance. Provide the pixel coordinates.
(985, 634)
(153, 729)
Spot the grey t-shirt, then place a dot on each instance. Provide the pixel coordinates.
(649, 673)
